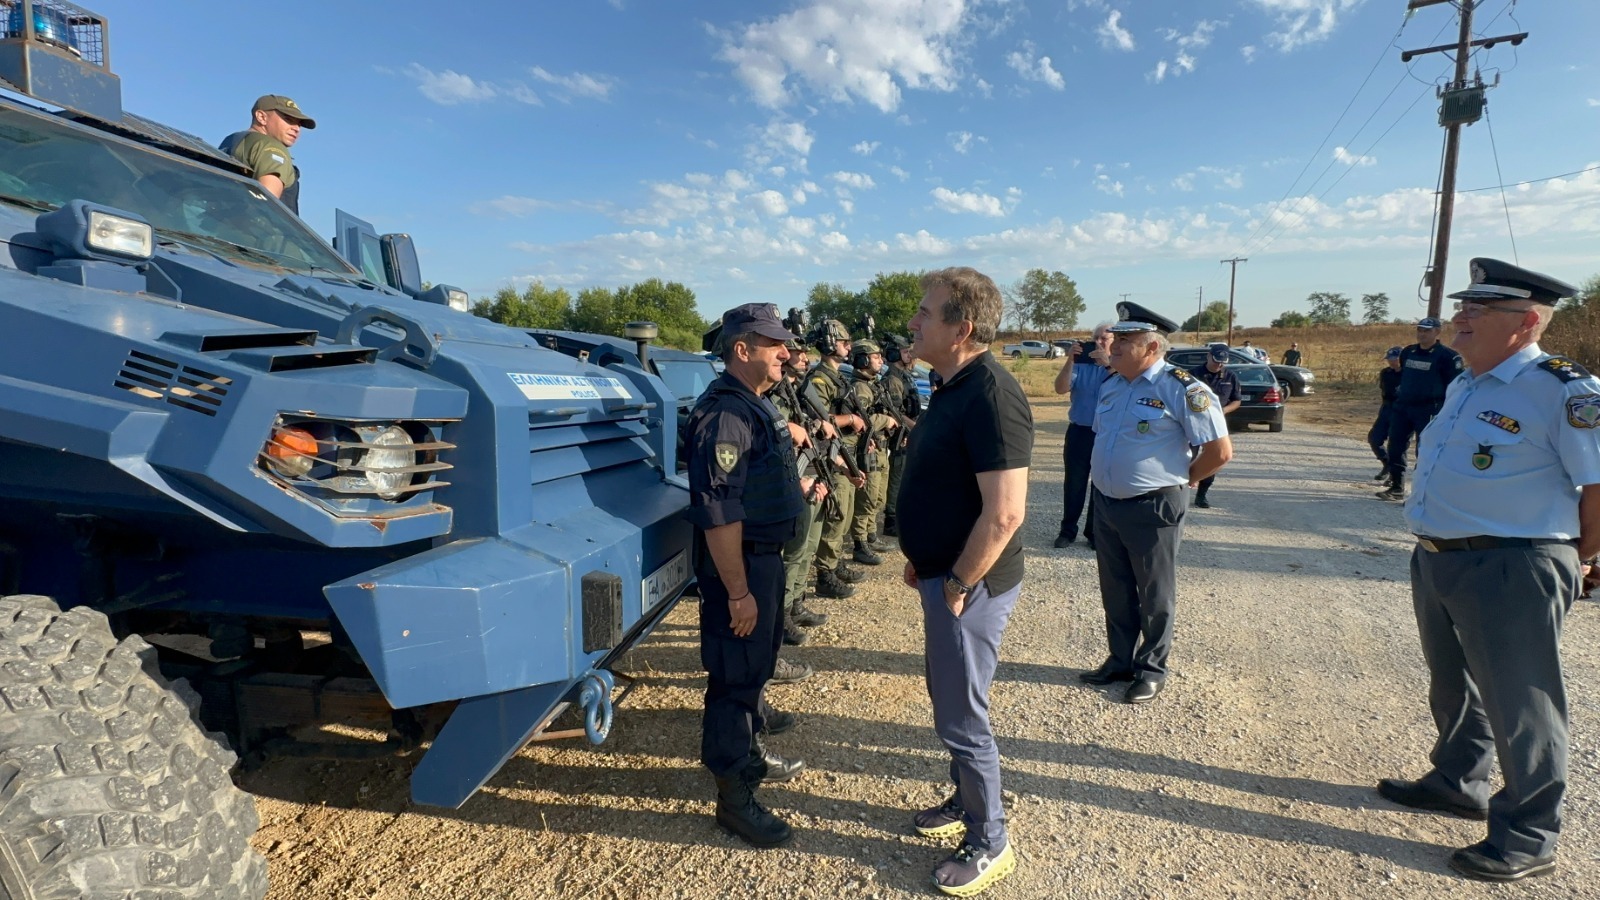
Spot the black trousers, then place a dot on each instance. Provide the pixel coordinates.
(1136, 548)
(1378, 437)
(1406, 420)
(738, 668)
(1078, 451)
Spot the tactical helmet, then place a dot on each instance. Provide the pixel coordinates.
(827, 334)
(861, 351)
(893, 346)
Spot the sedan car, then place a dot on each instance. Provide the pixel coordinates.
(1293, 381)
(1261, 400)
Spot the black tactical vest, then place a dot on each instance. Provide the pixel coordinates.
(771, 496)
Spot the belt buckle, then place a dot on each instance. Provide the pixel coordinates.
(1428, 545)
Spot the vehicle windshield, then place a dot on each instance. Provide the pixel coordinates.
(45, 163)
(686, 378)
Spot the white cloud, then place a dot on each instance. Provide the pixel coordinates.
(962, 141)
(509, 205)
(1352, 159)
(1159, 73)
(1196, 39)
(1248, 51)
(924, 243)
(1231, 179)
(865, 148)
(577, 84)
(899, 173)
(1302, 22)
(769, 203)
(835, 241)
(1593, 102)
(1184, 182)
(1032, 69)
(1112, 35)
(848, 205)
(856, 180)
(967, 202)
(449, 88)
(792, 139)
(984, 88)
(1106, 185)
(846, 50)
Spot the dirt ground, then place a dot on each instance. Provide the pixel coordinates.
(1297, 683)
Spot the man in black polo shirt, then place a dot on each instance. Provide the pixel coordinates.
(960, 508)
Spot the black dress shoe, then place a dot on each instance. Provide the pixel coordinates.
(778, 721)
(1108, 673)
(1063, 541)
(1143, 691)
(1485, 863)
(1419, 796)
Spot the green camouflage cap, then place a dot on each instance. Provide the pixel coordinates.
(285, 107)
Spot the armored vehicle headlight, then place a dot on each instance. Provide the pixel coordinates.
(457, 300)
(292, 451)
(389, 461)
(85, 230)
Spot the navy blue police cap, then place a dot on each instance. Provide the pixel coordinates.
(1392, 353)
(1133, 318)
(1494, 279)
(1429, 322)
(760, 318)
(1218, 351)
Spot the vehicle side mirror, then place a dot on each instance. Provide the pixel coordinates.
(400, 265)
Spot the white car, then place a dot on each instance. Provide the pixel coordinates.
(1039, 349)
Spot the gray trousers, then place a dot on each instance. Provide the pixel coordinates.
(960, 656)
(1136, 546)
(1490, 622)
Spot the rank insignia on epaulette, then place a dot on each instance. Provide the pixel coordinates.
(1584, 411)
(1182, 374)
(1501, 421)
(1199, 401)
(1564, 369)
(1154, 402)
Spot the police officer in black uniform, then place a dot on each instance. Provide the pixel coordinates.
(1388, 388)
(744, 499)
(1426, 369)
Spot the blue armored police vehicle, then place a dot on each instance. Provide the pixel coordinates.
(252, 483)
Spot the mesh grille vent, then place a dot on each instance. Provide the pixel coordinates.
(155, 378)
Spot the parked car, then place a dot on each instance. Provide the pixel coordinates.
(1037, 349)
(1262, 397)
(1294, 381)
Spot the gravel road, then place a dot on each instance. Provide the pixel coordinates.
(1297, 682)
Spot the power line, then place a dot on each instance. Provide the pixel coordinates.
(1497, 187)
(1489, 120)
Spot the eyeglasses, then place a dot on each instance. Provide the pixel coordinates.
(1470, 310)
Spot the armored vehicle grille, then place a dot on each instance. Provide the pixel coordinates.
(154, 378)
(562, 451)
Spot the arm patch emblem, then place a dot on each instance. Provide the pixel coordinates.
(1199, 400)
(727, 456)
(1584, 411)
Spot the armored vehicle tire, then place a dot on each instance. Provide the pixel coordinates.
(108, 786)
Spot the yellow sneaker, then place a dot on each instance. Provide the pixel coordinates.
(970, 871)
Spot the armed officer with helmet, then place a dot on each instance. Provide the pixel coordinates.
(866, 391)
(900, 390)
(1506, 510)
(745, 497)
(1426, 369)
(827, 389)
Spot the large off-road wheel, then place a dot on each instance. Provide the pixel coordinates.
(108, 786)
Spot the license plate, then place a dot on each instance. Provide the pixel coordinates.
(1247, 397)
(664, 581)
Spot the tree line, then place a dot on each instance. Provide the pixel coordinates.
(1329, 308)
(1041, 301)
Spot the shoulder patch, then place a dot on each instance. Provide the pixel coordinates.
(727, 456)
(1181, 374)
(1199, 400)
(1583, 411)
(1564, 369)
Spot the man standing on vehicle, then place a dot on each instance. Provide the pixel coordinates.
(1426, 369)
(744, 499)
(1388, 387)
(1507, 503)
(1080, 378)
(275, 123)
(1230, 394)
(1291, 356)
(1151, 416)
(965, 494)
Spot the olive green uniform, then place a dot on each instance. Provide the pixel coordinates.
(827, 385)
(870, 499)
(802, 548)
(900, 389)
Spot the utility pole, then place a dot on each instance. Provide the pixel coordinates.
(1199, 307)
(1461, 104)
(1232, 277)
(1125, 297)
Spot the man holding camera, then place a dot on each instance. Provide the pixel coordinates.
(1080, 377)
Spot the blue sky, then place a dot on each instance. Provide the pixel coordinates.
(751, 149)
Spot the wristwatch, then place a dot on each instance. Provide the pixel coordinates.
(951, 582)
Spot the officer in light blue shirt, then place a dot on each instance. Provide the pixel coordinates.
(1081, 377)
(1505, 505)
(1151, 413)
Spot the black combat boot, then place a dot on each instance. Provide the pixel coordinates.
(829, 585)
(774, 768)
(1397, 487)
(848, 575)
(890, 527)
(793, 634)
(865, 556)
(740, 813)
(1383, 474)
(878, 545)
(804, 616)
(1200, 500)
